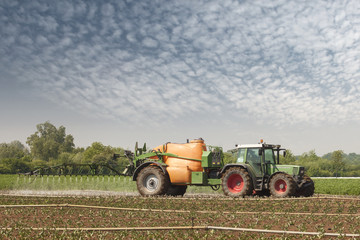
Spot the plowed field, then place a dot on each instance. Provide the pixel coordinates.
(193, 217)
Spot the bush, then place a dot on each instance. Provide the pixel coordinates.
(15, 166)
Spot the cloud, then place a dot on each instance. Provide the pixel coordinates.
(150, 43)
(107, 10)
(281, 63)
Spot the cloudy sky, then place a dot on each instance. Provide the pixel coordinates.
(157, 71)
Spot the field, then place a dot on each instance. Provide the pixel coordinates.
(125, 184)
(178, 218)
(201, 214)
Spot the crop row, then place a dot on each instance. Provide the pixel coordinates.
(303, 205)
(345, 217)
(95, 218)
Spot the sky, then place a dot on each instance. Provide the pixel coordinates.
(231, 72)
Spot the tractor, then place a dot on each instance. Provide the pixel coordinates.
(257, 171)
(169, 168)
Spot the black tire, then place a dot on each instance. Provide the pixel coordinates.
(152, 181)
(282, 185)
(236, 182)
(308, 189)
(176, 190)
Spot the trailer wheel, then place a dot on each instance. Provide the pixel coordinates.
(176, 190)
(236, 182)
(282, 185)
(307, 190)
(152, 181)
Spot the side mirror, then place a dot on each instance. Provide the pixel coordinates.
(260, 152)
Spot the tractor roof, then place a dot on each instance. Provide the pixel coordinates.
(259, 145)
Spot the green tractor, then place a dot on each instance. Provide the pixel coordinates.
(257, 170)
(168, 169)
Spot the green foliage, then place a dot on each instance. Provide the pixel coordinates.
(98, 153)
(309, 157)
(9, 165)
(5, 168)
(229, 157)
(337, 158)
(14, 158)
(330, 165)
(37, 163)
(337, 186)
(14, 149)
(288, 159)
(49, 142)
(65, 158)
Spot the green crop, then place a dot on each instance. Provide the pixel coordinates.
(337, 186)
(125, 184)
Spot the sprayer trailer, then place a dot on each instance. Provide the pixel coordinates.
(169, 168)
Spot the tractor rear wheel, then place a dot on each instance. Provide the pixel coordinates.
(282, 185)
(236, 182)
(176, 190)
(152, 181)
(308, 188)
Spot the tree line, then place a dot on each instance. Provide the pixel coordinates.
(334, 164)
(50, 146)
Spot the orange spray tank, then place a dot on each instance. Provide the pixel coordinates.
(188, 160)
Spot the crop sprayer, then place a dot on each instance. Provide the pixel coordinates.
(169, 168)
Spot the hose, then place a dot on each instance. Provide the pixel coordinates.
(175, 210)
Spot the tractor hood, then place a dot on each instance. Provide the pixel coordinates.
(289, 169)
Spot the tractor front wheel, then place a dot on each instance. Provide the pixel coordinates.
(308, 188)
(152, 181)
(282, 185)
(236, 182)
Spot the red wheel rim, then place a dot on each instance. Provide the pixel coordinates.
(235, 183)
(280, 186)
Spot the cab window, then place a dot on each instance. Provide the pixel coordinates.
(253, 155)
(241, 156)
(269, 156)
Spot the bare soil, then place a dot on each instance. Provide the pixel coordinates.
(319, 214)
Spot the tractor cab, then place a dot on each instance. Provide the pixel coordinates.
(263, 159)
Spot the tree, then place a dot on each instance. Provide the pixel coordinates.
(309, 157)
(98, 153)
(337, 158)
(13, 150)
(288, 159)
(14, 166)
(48, 141)
(14, 158)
